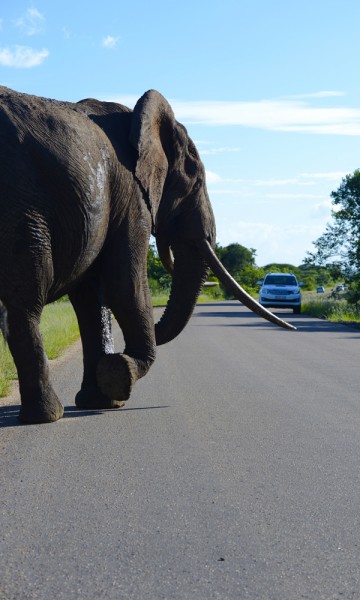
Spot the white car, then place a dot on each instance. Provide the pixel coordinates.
(280, 290)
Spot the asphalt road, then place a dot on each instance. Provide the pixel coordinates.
(233, 473)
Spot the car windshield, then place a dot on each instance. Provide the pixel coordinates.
(280, 280)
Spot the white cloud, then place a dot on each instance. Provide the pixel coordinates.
(287, 196)
(322, 210)
(324, 94)
(31, 22)
(268, 231)
(276, 182)
(274, 243)
(22, 57)
(239, 194)
(110, 41)
(288, 115)
(291, 114)
(331, 176)
(221, 150)
(212, 177)
(302, 180)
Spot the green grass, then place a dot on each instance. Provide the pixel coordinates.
(160, 299)
(7, 370)
(59, 329)
(331, 310)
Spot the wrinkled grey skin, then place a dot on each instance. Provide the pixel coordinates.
(82, 186)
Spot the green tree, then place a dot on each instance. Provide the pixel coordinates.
(282, 268)
(313, 275)
(335, 271)
(341, 239)
(236, 257)
(249, 277)
(159, 278)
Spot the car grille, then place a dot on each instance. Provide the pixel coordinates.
(277, 292)
(279, 300)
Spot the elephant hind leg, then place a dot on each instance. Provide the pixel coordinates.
(95, 328)
(39, 403)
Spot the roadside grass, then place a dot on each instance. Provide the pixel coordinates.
(7, 370)
(59, 329)
(334, 310)
(160, 299)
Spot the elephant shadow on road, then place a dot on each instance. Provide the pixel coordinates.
(304, 323)
(244, 318)
(9, 413)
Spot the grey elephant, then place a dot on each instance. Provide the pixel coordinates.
(82, 187)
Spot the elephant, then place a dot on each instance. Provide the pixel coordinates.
(83, 186)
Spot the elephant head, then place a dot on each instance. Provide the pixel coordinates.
(172, 177)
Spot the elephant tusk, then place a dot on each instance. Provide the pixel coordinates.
(219, 270)
(167, 259)
(165, 255)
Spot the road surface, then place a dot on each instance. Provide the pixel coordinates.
(233, 473)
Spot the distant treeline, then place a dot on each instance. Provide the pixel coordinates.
(241, 264)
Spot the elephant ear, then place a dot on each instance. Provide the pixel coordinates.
(152, 117)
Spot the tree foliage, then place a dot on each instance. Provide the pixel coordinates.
(159, 278)
(341, 239)
(236, 257)
(240, 262)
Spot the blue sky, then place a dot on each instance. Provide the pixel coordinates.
(269, 90)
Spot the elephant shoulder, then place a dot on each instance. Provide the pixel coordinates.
(91, 106)
(115, 121)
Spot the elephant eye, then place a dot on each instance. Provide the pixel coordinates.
(198, 184)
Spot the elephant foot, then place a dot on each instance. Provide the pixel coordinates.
(91, 398)
(116, 375)
(48, 410)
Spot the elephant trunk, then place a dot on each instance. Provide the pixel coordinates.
(189, 274)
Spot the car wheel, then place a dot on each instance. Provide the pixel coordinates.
(297, 310)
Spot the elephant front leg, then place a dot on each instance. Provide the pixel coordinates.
(39, 402)
(127, 294)
(118, 372)
(116, 376)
